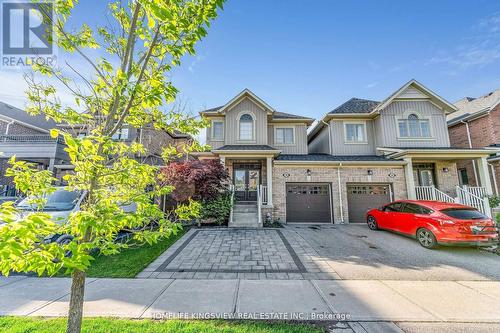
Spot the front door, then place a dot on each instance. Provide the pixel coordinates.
(424, 174)
(245, 184)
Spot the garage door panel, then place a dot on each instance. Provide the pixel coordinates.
(365, 196)
(308, 203)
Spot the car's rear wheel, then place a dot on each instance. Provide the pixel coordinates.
(372, 222)
(426, 238)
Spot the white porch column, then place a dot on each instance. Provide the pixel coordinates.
(484, 175)
(410, 182)
(222, 160)
(269, 174)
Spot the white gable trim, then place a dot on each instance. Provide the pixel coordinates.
(402, 92)
(243, 94)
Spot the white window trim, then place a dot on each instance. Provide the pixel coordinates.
(254, 137)
(346, 141)
(284, 144)
(212, 137)
(420, 117)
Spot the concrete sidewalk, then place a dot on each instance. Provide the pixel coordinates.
(351, 300)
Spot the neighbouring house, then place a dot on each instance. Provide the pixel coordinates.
(476, 124)
(154, 140)
(27, 137)
(360, 155)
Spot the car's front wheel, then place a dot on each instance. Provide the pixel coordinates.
(426, 238)
(372, 222)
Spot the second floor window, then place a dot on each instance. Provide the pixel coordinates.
(284, 136)
(414, 127)
(121, 134)
(217, 130)
(355, 133)
(246, 127)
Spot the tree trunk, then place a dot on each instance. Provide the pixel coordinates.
(76, 302)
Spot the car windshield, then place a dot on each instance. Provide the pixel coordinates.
(59, 200)
(464, 213)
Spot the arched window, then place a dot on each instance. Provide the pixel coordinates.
(246, 127)
(414, 127)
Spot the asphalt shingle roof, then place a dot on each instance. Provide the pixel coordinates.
(283, 115)
(246, 147)
(356, 105)
(276, 114)
(22, 116)
(326, 157)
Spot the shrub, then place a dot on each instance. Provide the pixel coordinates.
(218, 208)
(200, 180)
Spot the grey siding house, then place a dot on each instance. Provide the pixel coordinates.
(360, 155)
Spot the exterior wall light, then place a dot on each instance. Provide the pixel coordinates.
(308, 172)
(446, 170)
(370, 172)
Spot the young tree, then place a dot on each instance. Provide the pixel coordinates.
(129, 86)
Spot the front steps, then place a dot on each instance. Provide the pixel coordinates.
(245, 216)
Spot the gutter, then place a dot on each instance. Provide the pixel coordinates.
(329, 136)
(8, 125)
(494, 176)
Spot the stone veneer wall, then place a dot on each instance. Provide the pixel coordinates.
(325, 174)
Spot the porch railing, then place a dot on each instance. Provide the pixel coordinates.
(432, 193)
(476, 190)
(259, 204)
(470, 199)
(264, 194)
(231, 189)
(30, 138)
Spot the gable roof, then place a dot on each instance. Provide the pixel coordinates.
(438, 100)
(362, 108)
(356, 105)
(246, 93)
(38, 122)
(275, 115)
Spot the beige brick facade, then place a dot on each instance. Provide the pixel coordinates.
(324, 174)
(447, 177)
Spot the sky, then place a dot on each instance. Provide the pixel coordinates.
(308, 57)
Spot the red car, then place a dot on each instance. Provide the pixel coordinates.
(434, 222)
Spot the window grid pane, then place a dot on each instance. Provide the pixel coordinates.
(355, 132)
(218, 130)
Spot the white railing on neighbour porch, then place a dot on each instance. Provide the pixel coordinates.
(231, 189)
(432, 193)
(264, 195)
(259, 204)
(476, 190)
(468, 198)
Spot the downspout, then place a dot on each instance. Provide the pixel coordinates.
(340, 195)
(470, 146)
(329, 137)
(493, 174)
(7, 127)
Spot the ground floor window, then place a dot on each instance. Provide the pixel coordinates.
(463, 177)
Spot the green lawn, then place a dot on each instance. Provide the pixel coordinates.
(96, 325)
(129, 262)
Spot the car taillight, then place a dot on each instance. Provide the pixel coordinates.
(446, 222)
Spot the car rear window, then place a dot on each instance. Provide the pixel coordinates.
(464, 213)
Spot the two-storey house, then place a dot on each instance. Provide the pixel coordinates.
(360, 155)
